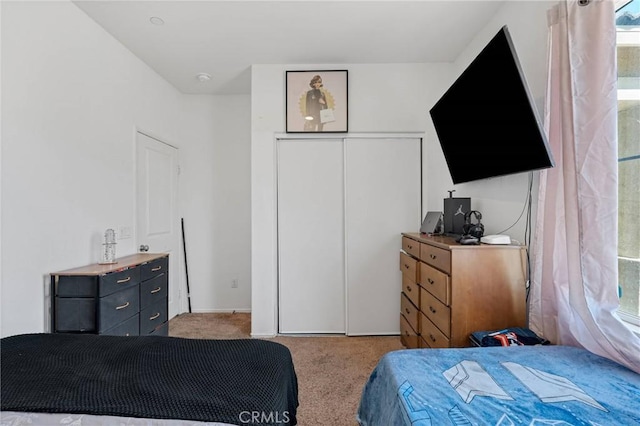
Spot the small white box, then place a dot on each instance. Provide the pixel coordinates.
(496, 239)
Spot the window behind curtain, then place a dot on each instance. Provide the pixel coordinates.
(628, 57)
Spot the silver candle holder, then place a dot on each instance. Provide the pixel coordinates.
(109, 248)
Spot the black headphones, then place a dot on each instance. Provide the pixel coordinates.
(473, 229)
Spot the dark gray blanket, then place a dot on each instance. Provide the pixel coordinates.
(240, 382)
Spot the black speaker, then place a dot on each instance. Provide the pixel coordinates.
(474, 229)
(455, 210)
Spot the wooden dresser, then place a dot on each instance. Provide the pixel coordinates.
(127, 298)
(450, 290)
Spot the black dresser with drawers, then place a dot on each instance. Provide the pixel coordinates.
(127, 298)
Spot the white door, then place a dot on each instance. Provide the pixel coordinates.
(383, 199)
(158, 226)
(311, 236)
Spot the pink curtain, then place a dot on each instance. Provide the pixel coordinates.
(574, 273)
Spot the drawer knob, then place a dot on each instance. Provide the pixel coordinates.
(406, 266)
(156, 269)
(433, 339)
(122, 306)
(410, 246)
(151, 318)
(432, 310)
(430, 281)
(409, 288)
(155, 290)
(407, 310)
(433, 256)
(124, 280)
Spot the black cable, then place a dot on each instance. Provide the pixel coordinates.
(186, 269)
(527, 236)
(527, 207)
(527, 202)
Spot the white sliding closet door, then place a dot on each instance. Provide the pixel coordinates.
(383, 199)
(311, 236)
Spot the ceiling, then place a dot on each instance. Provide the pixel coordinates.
(224, 38)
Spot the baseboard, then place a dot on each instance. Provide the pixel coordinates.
(374, 334)
(221, 311)
(262, 336)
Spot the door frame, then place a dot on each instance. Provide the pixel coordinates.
(176, 247)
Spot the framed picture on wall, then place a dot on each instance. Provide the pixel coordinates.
(317, 101)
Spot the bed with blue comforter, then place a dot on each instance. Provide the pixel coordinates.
(520, 385)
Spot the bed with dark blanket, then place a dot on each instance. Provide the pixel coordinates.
(239, 382)
(516, 385)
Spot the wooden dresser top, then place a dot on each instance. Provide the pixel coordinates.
(448, 242)
(123, 263)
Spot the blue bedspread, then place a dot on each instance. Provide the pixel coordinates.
(524, 385)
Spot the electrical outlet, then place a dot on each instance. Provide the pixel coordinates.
(234, 283)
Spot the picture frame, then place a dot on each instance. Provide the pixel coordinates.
(317, 101)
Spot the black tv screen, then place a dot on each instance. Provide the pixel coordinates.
(487, 122)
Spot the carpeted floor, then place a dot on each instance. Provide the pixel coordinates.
(331, 370)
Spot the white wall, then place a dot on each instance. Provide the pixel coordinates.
(67, 151)
(500, 200)
(390, 98)
(382, 98)
(216, 200)
(71, 101)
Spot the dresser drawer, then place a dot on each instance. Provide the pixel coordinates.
(435, 282)
(410, 312)
(409, 266)
(408, 335)
(431, 334)
(436, 311)
(411, 289)
(128, 327)
(117, 307)
(411, 246)
(163, 330)
(154, 268)
(153, 316)
(116, 281)
(153, 290)
(75, 314)
(422, 343)
(436, 257)
(76, 286)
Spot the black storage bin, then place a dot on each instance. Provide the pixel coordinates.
(514, 336)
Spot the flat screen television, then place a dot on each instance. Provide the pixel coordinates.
(487, 122)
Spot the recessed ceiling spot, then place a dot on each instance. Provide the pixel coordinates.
(156, 21)
(203, 77)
